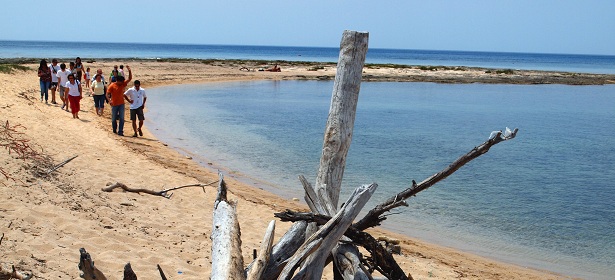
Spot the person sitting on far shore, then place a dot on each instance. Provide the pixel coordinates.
(275, 68)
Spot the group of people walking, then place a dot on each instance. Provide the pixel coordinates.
(67, 82)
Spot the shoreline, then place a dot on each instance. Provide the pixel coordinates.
(114, 233)
(299, 70)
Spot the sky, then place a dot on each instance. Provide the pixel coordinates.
(535, 26)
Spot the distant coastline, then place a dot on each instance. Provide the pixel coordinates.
(379, 72)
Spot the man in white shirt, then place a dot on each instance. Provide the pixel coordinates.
(136, 97)
(62, 79)
(55, 68)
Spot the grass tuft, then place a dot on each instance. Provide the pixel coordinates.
(9, 68)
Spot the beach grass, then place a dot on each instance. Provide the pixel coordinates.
(9, 68)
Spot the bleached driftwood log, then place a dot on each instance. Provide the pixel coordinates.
(227, 261)
(284, 249)
(340, 124)
(323, 197)
(338, 135)
(312, 255)
(260, 263)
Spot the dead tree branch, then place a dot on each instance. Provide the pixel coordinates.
(164, 277)
(163, 193)
(312, 255)
(380, 259)
(14, 141)
(375, 216)
(61, 164)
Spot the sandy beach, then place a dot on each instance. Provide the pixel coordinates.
(45, 219)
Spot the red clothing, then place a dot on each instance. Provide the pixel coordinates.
(74, 103)
(116, 90)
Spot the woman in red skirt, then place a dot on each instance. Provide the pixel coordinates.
(73, 91)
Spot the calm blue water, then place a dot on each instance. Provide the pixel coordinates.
(543, 199)
(557, 62)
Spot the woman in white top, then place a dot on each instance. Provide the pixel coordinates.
(73, 92)
(98, 91)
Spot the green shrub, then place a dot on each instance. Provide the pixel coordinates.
(505, 71)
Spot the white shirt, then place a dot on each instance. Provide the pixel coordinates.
(73, 89)
(137, 97)
(54, 78)
(62, 77)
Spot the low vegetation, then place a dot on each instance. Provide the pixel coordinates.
(9, 68)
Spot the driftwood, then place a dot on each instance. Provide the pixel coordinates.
(340, 124)
(56, 167)
(161, 272)
(375, 216)
(86, 264)
(12, 274)
(380, 259)
(323, 197)
(260, 263)
(227, 261)
(163, 193)
(312, 255)
(285, 248)
(129, 274)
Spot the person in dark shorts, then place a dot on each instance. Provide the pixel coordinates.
(55, 68)
(136, 97)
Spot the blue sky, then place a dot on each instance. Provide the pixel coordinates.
(577, 27)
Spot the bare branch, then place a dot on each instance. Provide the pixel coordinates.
(163, 193)
(380, 260)
(374, 216)
(312, 255)
(61, 164)
(164, 277)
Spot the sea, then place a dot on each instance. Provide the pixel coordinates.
(545, 199)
